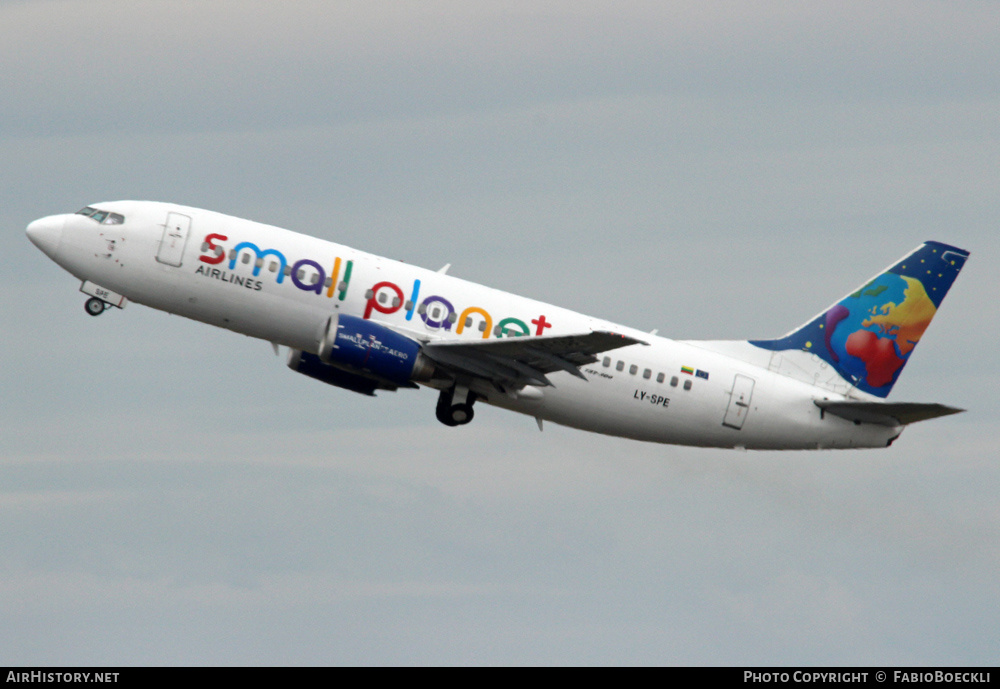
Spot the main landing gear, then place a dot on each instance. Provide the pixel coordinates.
(454, 407)
(95, 306)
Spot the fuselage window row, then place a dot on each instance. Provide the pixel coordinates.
(647, 373)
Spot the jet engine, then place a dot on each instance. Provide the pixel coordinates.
(363, 356)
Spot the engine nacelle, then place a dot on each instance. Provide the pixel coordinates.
(310, 365)
(362, 356)
(368, 348)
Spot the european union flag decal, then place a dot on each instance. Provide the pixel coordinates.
(702, 374)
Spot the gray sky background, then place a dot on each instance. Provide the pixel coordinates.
(171, 493)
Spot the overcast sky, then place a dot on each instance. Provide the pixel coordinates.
(170, 493)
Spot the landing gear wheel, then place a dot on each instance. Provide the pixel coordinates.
(461, 414)
(94, 306)
(444, 415)
(454, 414)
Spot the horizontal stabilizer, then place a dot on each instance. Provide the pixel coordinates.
(886, 414)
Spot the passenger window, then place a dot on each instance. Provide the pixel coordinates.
(620, 366)
(382, 297)
(646, 374)
(673, 382)
(328, 282)
(408, 305)
(395, 302)
(452, 317)
(341, 286)
(482, 326)
(259, 263)
(315, 278)
(246, 259)
(659, 377)
(687, 384)
(468, 321)
(369, 294)
(274, 266)
(204, 247)
(606, 362)
(632, 369)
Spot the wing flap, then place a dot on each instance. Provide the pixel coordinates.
(519, 361)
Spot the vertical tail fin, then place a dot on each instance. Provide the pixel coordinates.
(869, 335)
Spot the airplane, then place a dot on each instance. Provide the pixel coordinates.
(365, 323)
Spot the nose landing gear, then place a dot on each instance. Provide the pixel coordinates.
(95, 306)
(101, 298)
(454, 407)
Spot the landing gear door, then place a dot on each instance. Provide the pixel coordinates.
(739, 403)
(175, 236)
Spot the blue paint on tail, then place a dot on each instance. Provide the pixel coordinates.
(869, 335)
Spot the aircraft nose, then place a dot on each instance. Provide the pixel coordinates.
(46, 233)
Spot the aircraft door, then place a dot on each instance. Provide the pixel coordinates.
(175, 236)
(739, 402)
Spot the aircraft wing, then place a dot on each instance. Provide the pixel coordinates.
(886, 413)
(512, 363)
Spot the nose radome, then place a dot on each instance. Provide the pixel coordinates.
(46, 233)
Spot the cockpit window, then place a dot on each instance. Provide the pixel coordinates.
(104, 217)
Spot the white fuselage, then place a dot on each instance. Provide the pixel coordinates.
(666, 391)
